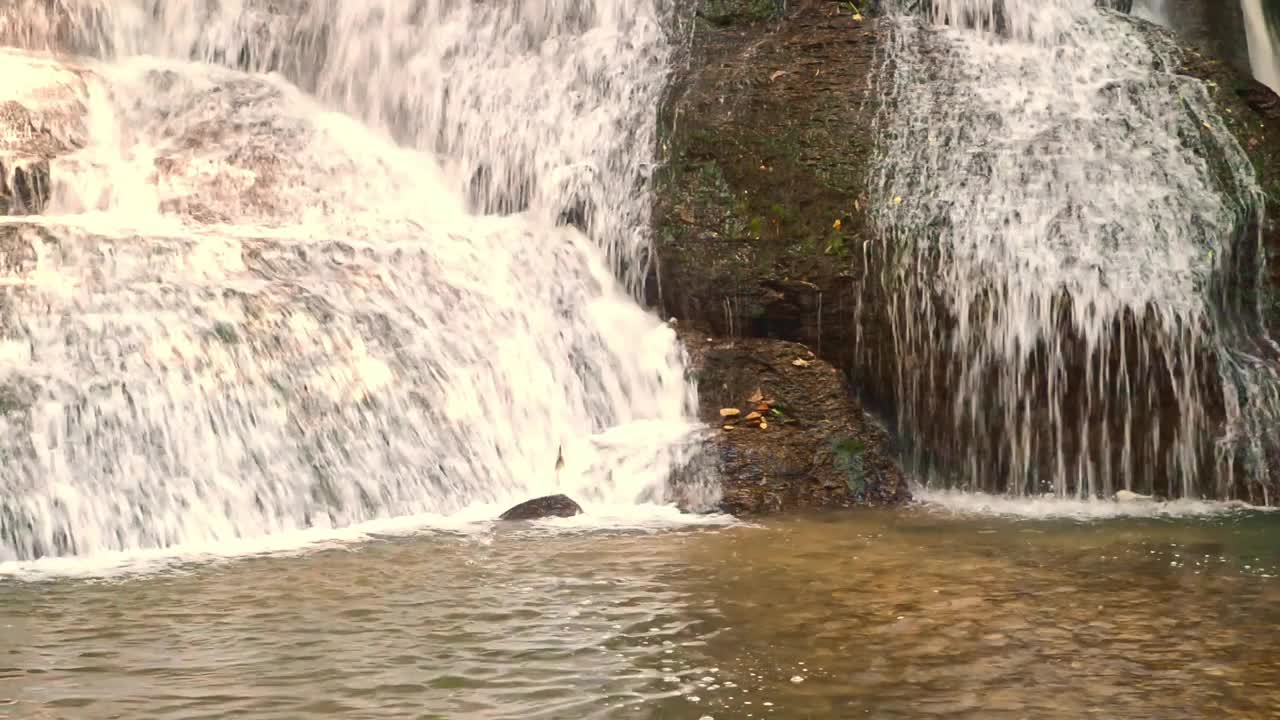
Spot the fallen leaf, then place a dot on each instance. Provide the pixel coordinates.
(897, 200)
(728, 427)
(762, 407)
(757, 396)
(764, 425)
(753, 416)
(730, 412)
(857, 205)
(857, 17)
(777, 74)
(1208, 126)
(836, 224)
(798, 363)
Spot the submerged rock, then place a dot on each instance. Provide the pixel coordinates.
(543, 507)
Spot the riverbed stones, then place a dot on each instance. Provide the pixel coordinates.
(544, 507)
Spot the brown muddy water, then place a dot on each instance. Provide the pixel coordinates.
(914, 613)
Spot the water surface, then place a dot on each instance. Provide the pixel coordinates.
(904, 614)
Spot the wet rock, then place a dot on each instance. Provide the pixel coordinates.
(41, 118)
(814, 446)
(1130, 496)
(758, 172)
(543, 507)
(761, 215)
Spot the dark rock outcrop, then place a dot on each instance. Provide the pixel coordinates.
(788, 434)
(543, 507)
(762, 206)
(761, 216)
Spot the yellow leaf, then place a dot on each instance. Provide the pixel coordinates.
(897, 200)
(857, 17)
(836, 224)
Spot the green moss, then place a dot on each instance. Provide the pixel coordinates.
(836, 246)
(848, 456)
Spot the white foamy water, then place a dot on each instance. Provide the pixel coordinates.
(1067, 227)
(1156, 11)
(309, 268)
(474, 523)
(1050, 507)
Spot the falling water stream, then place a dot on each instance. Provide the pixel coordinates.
(321, 285)
(1264, 43)
(307, 265)
(1069, 231)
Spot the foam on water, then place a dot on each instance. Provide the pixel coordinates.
(1050, 507)
(475, 524)
(1070, 241)
(387, 278)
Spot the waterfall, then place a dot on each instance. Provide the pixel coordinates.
(1156, 11)
(1069, 246)
(307, 264)
(1264, 45)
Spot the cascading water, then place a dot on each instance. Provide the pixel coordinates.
(309, 264)
(1264, 42)
(1071, 240)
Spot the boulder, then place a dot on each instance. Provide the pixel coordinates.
(543, 507)
(805, 443)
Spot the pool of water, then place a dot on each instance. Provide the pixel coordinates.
(922, 612)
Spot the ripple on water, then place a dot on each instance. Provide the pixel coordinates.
(898, 614)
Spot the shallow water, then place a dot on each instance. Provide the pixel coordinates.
(894, 614)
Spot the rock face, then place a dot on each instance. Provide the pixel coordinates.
(760, 228)
(788, 433)
(761, 217)
(543, 507)
(42, 117)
